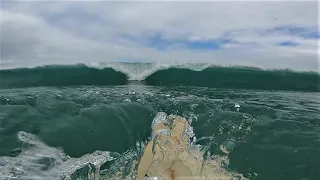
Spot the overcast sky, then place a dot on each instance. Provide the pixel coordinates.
(267, 34)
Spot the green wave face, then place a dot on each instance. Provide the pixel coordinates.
(214, 76)
(60, 76)
(235, 77)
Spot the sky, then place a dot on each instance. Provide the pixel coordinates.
(265, 34)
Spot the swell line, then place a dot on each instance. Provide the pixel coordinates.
(202, 75)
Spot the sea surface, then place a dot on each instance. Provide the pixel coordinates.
(90, 121)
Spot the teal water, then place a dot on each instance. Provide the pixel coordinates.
(54, 131)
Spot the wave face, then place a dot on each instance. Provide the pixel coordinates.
(174, 74)
(68, 75)
(237, 77)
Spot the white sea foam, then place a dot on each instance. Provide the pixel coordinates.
(40, 161)
(139, 71)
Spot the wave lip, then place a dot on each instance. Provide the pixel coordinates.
(140, 71)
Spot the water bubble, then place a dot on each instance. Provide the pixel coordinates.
(193, 106)
(127, 100)
(237, 106)
(227, 146)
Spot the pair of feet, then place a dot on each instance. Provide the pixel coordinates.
(170, 156)
(167, 155)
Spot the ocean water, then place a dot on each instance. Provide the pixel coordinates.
(88, 122)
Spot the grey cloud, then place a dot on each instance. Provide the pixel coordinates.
(35, 33)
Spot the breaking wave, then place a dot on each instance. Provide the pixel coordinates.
(165, 74)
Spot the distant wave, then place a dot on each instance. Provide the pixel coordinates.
(160, 74)
(238, 77)
(60, 75)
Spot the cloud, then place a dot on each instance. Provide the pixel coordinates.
(264, 34)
